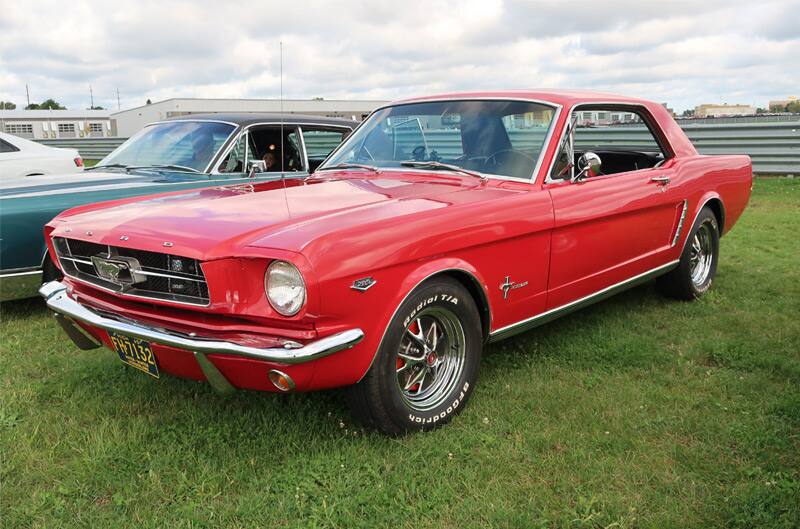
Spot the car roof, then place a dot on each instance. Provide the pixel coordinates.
(250, 118)
(562, 97)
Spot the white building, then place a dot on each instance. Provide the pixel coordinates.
(128, 122)
(42, 124)
(604, 117)
(720, 110)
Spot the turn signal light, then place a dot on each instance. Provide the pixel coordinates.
(281, 380)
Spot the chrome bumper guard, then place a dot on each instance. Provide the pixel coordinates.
(67, 311)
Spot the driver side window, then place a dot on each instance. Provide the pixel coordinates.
(235, 161)
(604, 141)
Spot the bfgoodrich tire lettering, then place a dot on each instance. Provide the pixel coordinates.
(427, 365)
(698, 264)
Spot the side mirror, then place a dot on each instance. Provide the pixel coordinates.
(588, 165)
(256, 166)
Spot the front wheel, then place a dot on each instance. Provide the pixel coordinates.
(698, 264)
(427, 364)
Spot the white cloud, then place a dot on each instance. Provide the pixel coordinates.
(681, 52)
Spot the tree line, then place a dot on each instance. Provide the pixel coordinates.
(47, 104)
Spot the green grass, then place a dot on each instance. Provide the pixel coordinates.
(637, 412)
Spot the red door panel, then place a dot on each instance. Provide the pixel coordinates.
(608, 229)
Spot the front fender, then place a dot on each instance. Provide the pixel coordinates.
(374, 308)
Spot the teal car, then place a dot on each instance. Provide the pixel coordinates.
(178, 154)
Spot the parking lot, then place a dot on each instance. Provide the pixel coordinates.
(638, 412)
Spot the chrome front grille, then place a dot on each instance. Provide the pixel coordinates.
(152, 275)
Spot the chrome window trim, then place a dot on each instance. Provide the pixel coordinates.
(532, 180)
(346, 135)
(190, 120)
(551, 314)
(236, 126)
(245, 129)
(574, 107)
(304, 154)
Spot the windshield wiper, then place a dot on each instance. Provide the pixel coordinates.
(352, 166)
(444, 166)
(107, 166)
(165, 166)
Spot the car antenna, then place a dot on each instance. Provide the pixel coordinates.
(283, 157)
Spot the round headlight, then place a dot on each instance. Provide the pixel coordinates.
(286, 291)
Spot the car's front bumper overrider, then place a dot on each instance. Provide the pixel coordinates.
(68, 311)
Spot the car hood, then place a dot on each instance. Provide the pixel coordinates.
(219, 222)
(88, 181)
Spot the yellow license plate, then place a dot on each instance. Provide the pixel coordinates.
(135, 352)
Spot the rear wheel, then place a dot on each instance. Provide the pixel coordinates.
(698, 264)
(427, 364)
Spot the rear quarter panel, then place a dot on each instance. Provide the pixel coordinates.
(700, 179)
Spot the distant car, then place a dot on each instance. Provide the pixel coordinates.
(174, 155)
(20, 157)
(439, 225)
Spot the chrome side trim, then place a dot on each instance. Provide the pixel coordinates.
(680, 223)
(544, 317)
(697, 215)
(55, 294)
(20, 285)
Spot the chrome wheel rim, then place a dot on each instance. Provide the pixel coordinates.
(701, 254)
(430, 359)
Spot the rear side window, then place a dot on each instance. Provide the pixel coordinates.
(7, 147)
(620, 137)
(320, 143)
(604, 135)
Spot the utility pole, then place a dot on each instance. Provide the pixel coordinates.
(118, 105)
(91, 98)
(28, 94)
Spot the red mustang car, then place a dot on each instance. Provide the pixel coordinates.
(441, 224)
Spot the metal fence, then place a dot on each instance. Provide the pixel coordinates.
(773, 146)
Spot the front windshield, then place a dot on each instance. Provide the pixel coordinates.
(490, 137)
(189, 144)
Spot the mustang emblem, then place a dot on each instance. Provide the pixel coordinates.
(123, 271)
(363, 284)
(507, 285)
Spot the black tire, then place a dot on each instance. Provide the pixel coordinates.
(449, 370)
(687, 281)
(50, 271)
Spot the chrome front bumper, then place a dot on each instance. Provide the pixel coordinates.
(67, 311)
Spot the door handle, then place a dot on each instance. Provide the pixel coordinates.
(663, 180)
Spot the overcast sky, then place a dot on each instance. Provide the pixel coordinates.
(680, 52)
